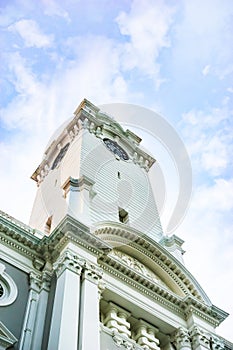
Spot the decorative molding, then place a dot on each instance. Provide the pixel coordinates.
(199, 338)
(7, 339)
(46, 280)
(137, 266)
(90, 118)
(92, 272)
(8, 288)
(72, 230)
(69, 261)
(35, 282)
(101, 288)
(72, 184)
(217, 343)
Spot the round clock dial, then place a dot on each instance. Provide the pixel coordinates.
(116, 149)
(60, 156)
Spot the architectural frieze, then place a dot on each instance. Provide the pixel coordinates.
(137, 266)
(183, 306)
(133, 238)
(72, 230)
(144, 285)
(210, 313)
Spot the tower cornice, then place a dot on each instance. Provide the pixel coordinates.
(88, 116)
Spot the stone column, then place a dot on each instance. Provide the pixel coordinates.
(65, 316)
(31, 310)
(41, 310)
(89, 327)
(181, 339)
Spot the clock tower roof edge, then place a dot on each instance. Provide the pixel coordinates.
(98, 122)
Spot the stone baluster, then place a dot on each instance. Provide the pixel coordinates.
(145, 335)
(116, 319)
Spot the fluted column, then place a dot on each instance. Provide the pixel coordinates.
(89, 329)
(181, 339)
(65, 316)
(31, 310)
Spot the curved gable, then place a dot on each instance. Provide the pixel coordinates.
(155, 258)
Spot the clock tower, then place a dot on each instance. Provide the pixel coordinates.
(96, 172)
(94, 271)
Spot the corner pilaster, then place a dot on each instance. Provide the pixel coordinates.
(42, 307)
(31, 311)
(65, 316)
(89, 327)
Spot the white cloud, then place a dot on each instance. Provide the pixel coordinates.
(31, 33)
(52, 8)
(207, 231)
(206, 70)
(215, 198)
(204, 35)
(146, 26)
(208, 138)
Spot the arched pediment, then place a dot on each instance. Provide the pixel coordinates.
(154, 257)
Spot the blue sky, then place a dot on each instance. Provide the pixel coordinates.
(174, 57)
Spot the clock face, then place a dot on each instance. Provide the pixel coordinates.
(60, 156)
(116, 149)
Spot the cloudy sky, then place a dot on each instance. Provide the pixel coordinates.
(174, 57)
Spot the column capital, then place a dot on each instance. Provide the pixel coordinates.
(35, 281)
(92, 272)
(68, 260)
(199, 337)
(46, 280)
(217, 343)
(181, 338)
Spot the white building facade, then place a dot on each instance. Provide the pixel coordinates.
(93, 270)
